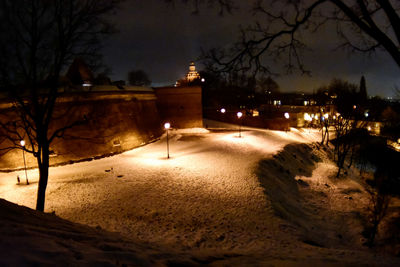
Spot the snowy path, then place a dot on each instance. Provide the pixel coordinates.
(206, 197)
(206, 192)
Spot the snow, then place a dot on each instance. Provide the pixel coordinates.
(269, 197)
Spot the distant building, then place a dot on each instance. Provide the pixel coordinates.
(190, 77)
(192, 74)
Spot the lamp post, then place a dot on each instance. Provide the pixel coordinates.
(223, 110)
(167, 125)
(239, 115)
(23, 154)
(287, 116)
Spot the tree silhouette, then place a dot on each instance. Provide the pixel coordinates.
(363, 89)
(138, 78)
(361, 25)
(38, 39)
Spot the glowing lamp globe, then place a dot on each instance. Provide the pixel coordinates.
(239, 114)
(167, 125)
(223, 110)
(286, 115)
(22, 142)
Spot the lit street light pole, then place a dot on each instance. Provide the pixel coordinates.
(23, 154)
(167, 125)
(287, 116)
(239, 115)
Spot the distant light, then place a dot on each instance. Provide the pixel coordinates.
(86, 84)
(203, 80)
(354, 107)
(223, 110)
(334, 117)
(307, 117)
(326, 115)
(22, 142)
(306, 102)
(286, 115)
(369, 128)
(167, 125)
(398, 140)
(239, 114)
(366, 114)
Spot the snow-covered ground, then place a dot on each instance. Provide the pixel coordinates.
(268, 197)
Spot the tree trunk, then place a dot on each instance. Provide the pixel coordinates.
(374, 230)
(327, 135)
(43, 163)
(323, 135)
(340, 162)
(340, 166)
(351, 156)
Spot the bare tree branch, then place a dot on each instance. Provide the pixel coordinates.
(365, 26)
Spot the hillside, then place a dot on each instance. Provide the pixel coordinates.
(269, 197)
(31, 238)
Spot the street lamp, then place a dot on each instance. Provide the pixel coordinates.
(23, 154)
(287, 116)
(223, 110)
(167, 125)
(239, 115)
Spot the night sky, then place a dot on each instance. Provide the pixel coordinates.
(162, 40)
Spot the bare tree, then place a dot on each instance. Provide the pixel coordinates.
(361, 25)
(325, 123)
(378, 207)
(267, 85)
(38, 39)
(347, 122)
(138, 78)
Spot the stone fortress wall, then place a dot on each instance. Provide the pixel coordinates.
(116, 121)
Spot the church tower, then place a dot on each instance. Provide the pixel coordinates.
(192, 74)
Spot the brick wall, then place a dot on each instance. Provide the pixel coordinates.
(115, 122)
(181, 106)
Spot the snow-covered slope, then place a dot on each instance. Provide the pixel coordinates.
(31, 238)
(266, 198)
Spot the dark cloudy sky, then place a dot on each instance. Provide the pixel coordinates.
(162, 39)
